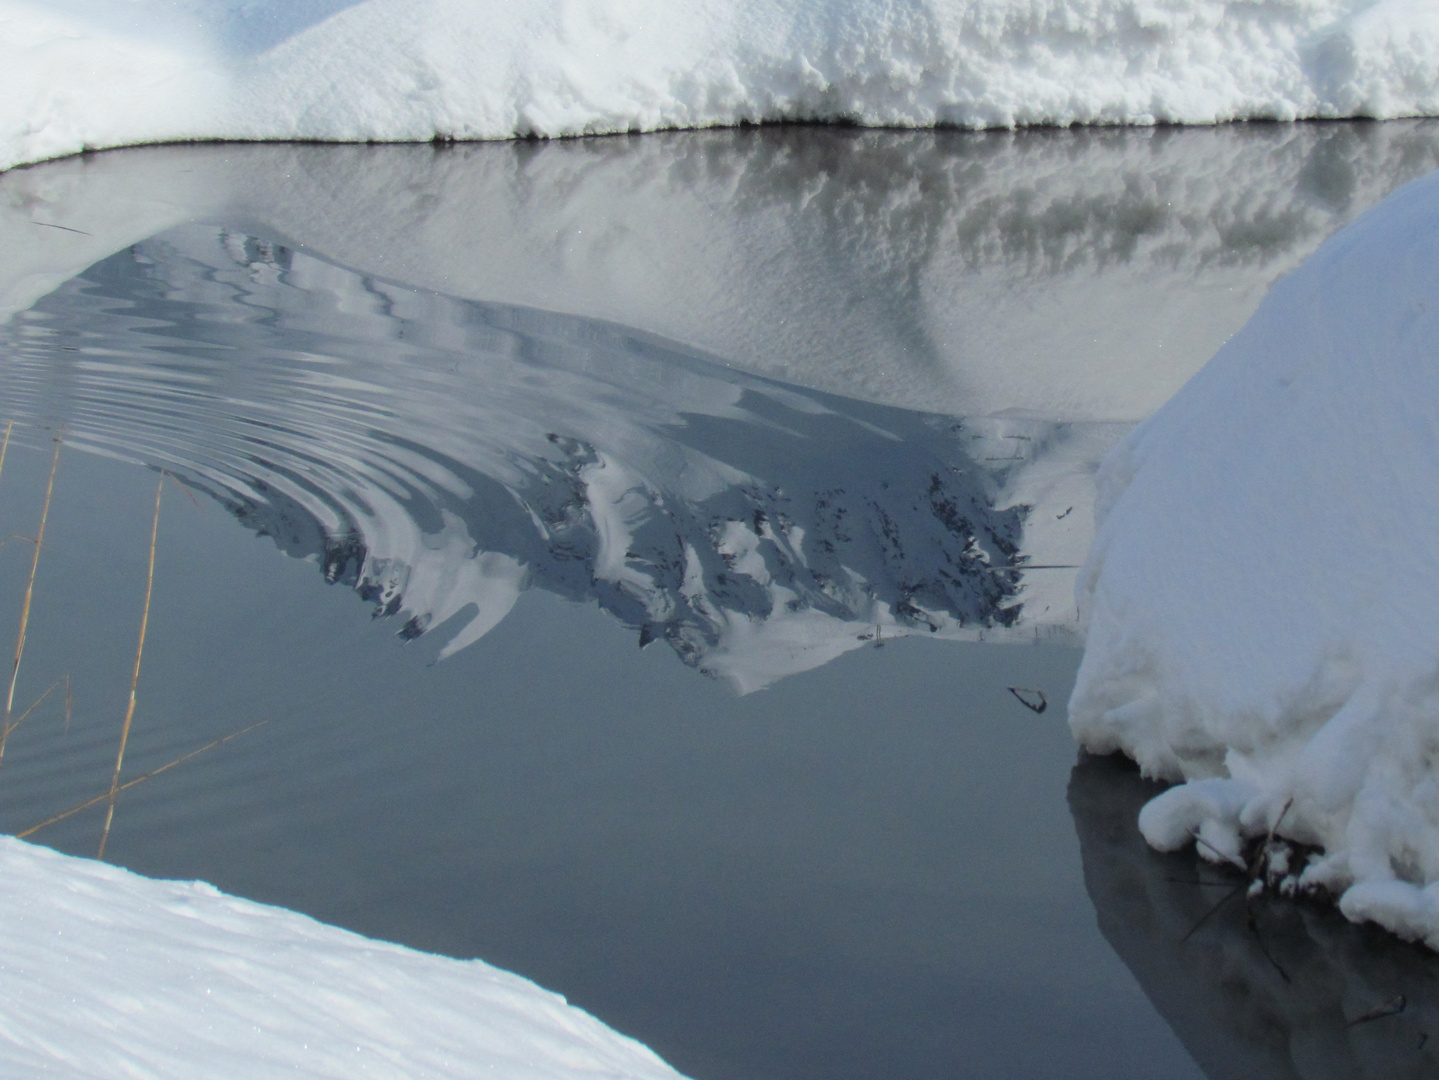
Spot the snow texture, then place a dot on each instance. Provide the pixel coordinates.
(154, 70)
(110, 974)
(1260, 597)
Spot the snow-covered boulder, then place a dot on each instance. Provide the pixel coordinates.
(1262, 597)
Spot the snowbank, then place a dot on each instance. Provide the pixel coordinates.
(150, 70)
(1261, 592)
(111, 974)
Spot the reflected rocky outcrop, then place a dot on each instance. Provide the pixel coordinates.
(1050, 288)
(1278, 988)
(441, 455)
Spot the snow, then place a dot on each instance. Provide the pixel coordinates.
(1260, 594)
(482, 69)
(111, 974)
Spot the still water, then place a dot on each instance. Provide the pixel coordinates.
(630, 544)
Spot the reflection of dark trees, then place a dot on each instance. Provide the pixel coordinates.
(1275, 997)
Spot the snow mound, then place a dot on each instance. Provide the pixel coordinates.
(480, 69)
(1260, 596)
(111, 974)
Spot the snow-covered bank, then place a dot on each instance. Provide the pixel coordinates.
(110, 974)
(422, 69)
(1261, 593)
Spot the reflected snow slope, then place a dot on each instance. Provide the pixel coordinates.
(1075, 275)
(441, 455)
(1285, 995)
(1049, 287)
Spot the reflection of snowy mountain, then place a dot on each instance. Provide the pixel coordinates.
(1051, 287)
(1282, 996)
(441, 455)
(1061, 275)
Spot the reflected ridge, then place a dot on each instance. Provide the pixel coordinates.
(441, 455)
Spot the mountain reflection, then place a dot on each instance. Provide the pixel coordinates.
(1280, 989)
(441, 455)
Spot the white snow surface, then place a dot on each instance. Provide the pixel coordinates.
(1260, 597)
(159, 70)
(110, 974)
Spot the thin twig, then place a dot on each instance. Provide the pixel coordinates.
(52, 225)
(188, 493)
(1025, 697)
(29, 592)
(135, 674)
(40, 701)
(1230, 895)
(1393, 1007)
(98, 799)
(4, 446)
(1232, 860)
(1259, 941)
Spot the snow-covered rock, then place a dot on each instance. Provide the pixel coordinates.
(78, 74)
(108, 974)
(1261, 595)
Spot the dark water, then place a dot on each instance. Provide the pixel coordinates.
(719, 746)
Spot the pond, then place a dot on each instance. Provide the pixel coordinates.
(628, 548)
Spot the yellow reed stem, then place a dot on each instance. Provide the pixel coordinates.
(98, 799)
(29, 593)
(135, 674)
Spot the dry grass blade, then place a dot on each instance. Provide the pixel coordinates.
(187, 492)
(4, 446)
(135, 674)
(29, 593)
(128, 784)
(1230, 895)
(69, 701)
(1393, 1007)
(1233, 860)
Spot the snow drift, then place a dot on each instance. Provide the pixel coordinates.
(1261, 592)
(111, 974)
(480, 69)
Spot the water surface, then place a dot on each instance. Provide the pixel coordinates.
(615, 537)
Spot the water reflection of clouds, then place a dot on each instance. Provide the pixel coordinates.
(1274, 989)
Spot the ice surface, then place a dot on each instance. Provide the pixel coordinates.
(111, 974)
(467, 69)
(1260, 595)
